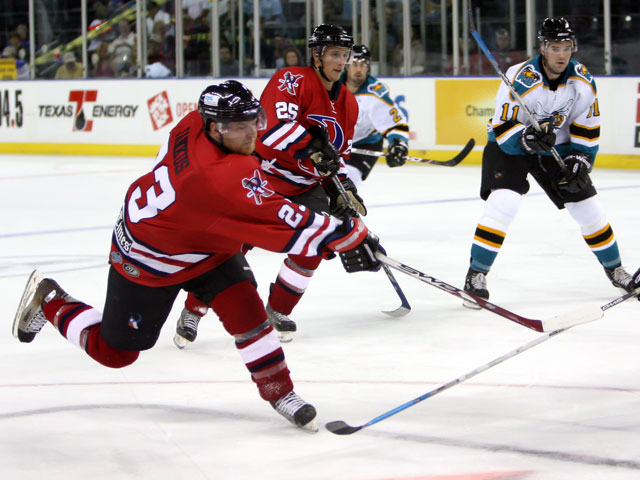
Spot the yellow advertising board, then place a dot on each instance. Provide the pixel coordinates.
(8, 69)
(463, 108)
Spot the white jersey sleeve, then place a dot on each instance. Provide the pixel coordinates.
(379, 114)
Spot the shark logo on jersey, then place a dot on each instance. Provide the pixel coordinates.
(528, 76)
(332, 126)
(289, 82)
(257, 187)
(582, 72)
(378, 88)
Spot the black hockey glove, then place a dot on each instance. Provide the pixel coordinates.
(578, 165)
(397, 155)
(636, 281)
(534, 142)
(322, 152)
(363, 257)
(337, 204)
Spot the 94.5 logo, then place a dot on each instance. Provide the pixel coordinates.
(11, 108)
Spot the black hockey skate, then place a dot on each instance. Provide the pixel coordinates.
(620, 278)
(476, 284)
(30, 318)
(186, 329)
(282, 324)
(297, 411)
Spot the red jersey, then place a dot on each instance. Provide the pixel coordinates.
(294, 99)
(200, 203)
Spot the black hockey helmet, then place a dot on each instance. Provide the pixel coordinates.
(230, 101)
(327, 34)
(557, 29)
(361, 52)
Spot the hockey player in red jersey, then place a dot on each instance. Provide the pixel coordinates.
(311, 117)
(182, 226)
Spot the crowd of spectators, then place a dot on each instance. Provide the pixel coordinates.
(113, 50)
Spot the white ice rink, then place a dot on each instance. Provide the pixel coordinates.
(568, 408)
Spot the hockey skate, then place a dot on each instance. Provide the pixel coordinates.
(30, 318)
(297, 411)
(186, 328)
(620, 278)
(476, 284)
(282, 324)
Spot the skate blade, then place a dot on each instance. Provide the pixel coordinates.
(311, 427)
(180, 341)
(27, 296)
(285, 337)
(471, 305)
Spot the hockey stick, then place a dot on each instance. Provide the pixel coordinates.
(569, 319)
(496, 67)
(404, 308)
(443, 163)
(340, 427)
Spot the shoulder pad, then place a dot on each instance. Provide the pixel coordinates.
(377, 88)
(579, 70)
(527, 77)
(290, 81)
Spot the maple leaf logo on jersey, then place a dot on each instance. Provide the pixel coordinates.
(528, 76)
(289, 82)
(257, 187)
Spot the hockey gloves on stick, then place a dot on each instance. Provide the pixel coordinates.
(322, 152)
(363, 257)
(578, 165)
(397, 155)
(338, 206)
(533, 142)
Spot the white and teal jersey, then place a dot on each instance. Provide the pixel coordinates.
(379, 115)
(571, 102)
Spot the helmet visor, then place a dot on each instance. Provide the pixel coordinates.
(239, 128)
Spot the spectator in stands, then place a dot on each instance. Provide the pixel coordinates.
(70, 68)
(228, 64)
(106, 35)
(23, 35)
(103, 66)
(157, 16)
(291, 57)
(123, 50)
(503, 53)
(22, 69)
(16, 43)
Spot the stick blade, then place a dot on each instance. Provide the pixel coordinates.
(585, 314)
(401, 311)
(341, 428)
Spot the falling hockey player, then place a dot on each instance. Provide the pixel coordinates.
(561, 94)
(182, 226)
(310, 113)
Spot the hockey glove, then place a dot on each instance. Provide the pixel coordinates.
(578, 165)
(533, 142)
(322, 152)
(338, 206)
(397, 155)
(363, 257)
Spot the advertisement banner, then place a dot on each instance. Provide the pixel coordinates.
(463, 108)
(133, 116)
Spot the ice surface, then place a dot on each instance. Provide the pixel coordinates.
(568, 408)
